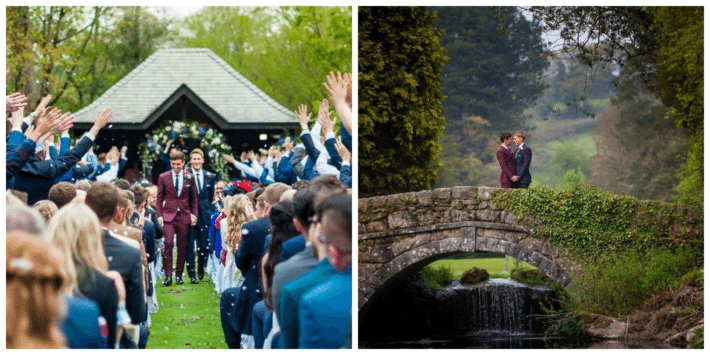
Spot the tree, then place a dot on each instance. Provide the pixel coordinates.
(400, 121)
(285, 51)
(77, 53)
(638, 150)
(664, 45)
(496, 64)
(46, 47)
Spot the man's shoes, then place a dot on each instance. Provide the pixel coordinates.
(200, 275)
(194, 281)
(178, 281)
(168, 281)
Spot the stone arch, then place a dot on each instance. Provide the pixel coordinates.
(400, 267)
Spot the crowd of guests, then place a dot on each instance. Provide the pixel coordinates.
(83, 262)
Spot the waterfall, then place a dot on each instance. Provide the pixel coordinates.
(493, 307)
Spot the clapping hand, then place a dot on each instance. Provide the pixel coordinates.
(303, 116)
(288, 144)
(14, 101)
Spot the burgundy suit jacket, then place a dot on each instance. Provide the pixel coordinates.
(507, 165)
(169, 205)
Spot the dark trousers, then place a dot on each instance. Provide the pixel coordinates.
(227, 307)
(199, 236)
(182, 231)
(522, 185)
(261, 322)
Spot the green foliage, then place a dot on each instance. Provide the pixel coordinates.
(495, 67)
(77, 53)
(434, 279)
(399, 118)
(618, 284)
(464, 166)
(574, 177)
(285, 51)
(590, 223)
(664, 45)
(560, 158)
(699, 342)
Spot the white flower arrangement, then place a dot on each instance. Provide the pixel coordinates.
(209, 139)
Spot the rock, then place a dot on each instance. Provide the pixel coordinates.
(677, 339)
(475, 275)
(601, 326)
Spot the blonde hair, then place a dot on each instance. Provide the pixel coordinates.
(46, 208)
(76, 232)
(33, 302)
(235, 208)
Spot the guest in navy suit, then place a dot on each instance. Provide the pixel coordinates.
(37, 176)
(506, 161)
(199, 234)
(523, 157)
(177, 211)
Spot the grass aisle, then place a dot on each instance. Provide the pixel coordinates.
(187, 318)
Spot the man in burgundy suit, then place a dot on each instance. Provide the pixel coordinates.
(506, 161)
(177, 210)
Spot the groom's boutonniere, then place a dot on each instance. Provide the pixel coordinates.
(208, 176)
(188, 176)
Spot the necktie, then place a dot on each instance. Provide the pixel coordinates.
(177, 189)
(199, 183)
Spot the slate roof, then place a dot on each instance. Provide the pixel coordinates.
(211, 79)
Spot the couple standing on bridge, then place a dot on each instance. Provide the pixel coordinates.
(514, 166)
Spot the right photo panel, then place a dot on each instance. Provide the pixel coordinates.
(530, 177)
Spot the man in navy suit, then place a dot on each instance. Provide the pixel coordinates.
(237, 304)
(37, 175)
(523, 157)
(199, 234)
(102, 198)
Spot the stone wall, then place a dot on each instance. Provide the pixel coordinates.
(398, 234)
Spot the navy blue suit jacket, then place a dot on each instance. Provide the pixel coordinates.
(522, 164)
(37, 176)
(249, 254)
(204, 197)
(81, 326)
(127, 261)
(324, 314)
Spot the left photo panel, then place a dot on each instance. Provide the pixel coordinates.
(179, 177)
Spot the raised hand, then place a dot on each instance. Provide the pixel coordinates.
(324, 117)
(39, 110)
(263, 152)
(342, 149)
(288, 144)
(229, 158)
(243, 156)
(101, 119)
(303, 116)
(63, 123)
(337, 87)
(14, 101)
(251, 156)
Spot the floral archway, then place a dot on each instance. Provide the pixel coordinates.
(212, 142)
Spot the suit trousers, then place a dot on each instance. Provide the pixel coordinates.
(171, 229)
(199, 235)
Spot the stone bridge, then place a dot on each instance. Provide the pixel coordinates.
(399, 234)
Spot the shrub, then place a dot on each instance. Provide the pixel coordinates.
(434, 279)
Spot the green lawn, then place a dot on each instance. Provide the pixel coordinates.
(494, 266)
(187, 318)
